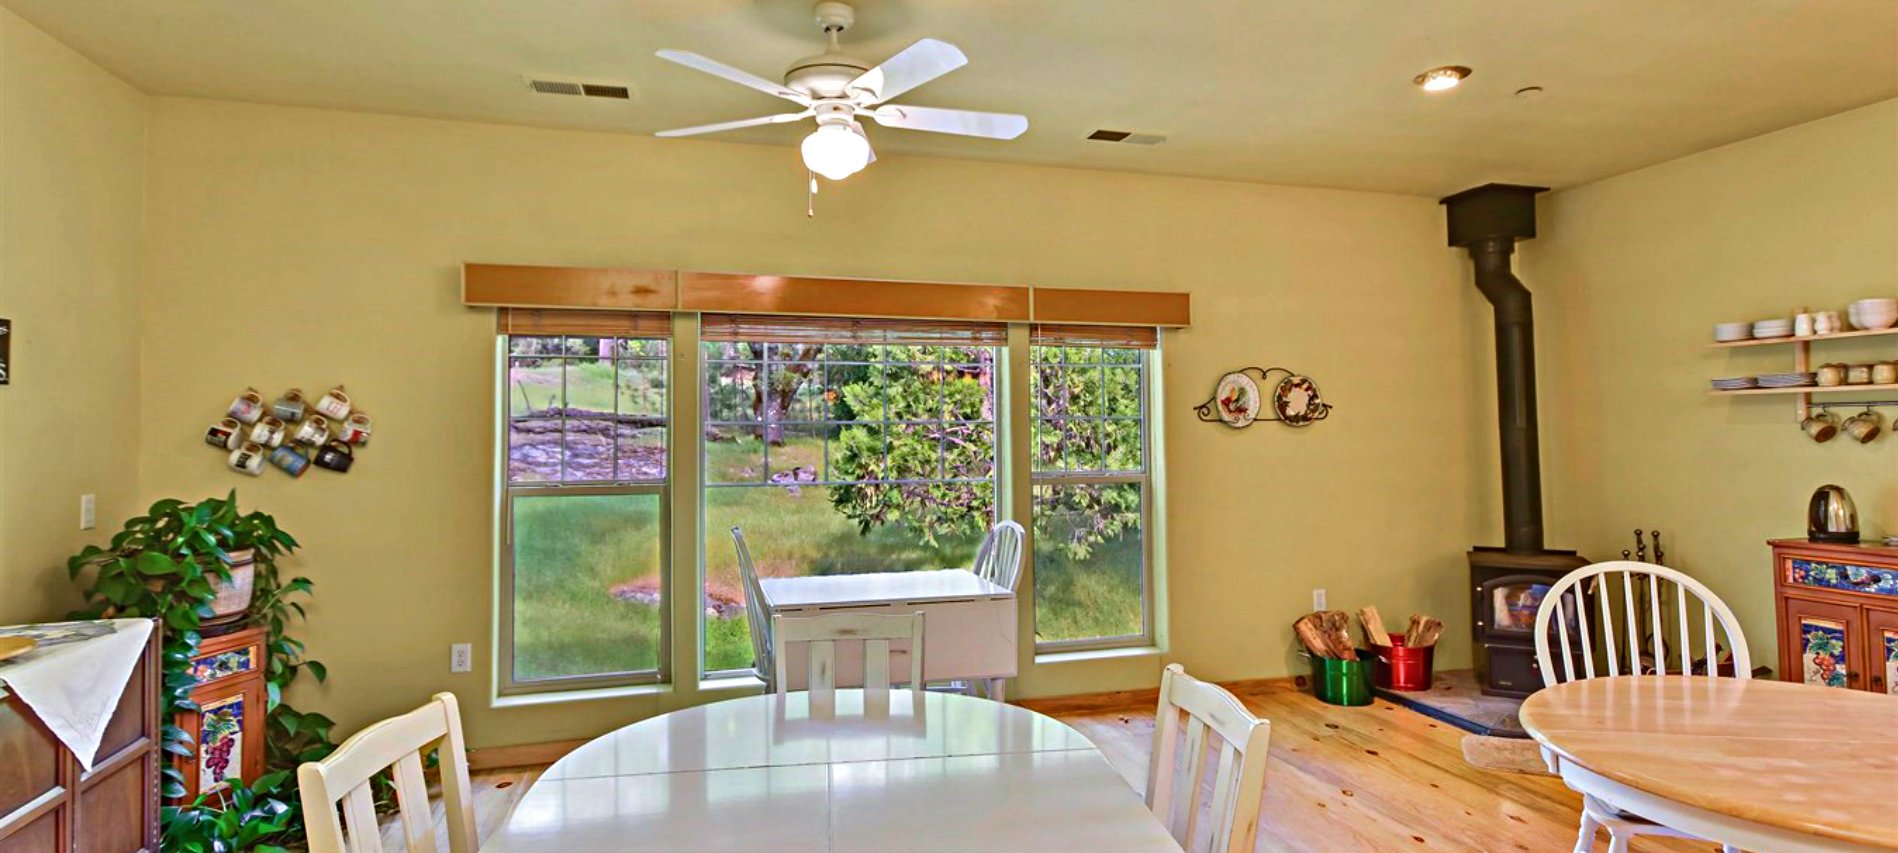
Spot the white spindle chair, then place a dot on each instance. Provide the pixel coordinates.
(998, 561)
(398, 743)
(1624, 635)
(1239, 780)
(821, 633)
(756, 617)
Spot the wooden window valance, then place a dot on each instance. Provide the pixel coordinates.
(849, 330)
(566, 321)
(611, 289)
(1073, 335)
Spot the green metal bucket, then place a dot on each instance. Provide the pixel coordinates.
(1341, 682)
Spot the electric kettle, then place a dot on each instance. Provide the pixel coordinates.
(1831, 517)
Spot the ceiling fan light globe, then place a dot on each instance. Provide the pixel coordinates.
(835, 151)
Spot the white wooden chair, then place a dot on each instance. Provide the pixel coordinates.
(756, 616)
(998, 561)
(1649, 613)
(821, 633)
(1239, 780)
(396, 744)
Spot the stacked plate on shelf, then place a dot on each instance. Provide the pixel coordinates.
(1726, 333)
(1776, 328)
(1787, 380)
(1734, 384)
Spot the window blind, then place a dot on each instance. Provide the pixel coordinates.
(1115, 337)
(553, 321)
(849, 330)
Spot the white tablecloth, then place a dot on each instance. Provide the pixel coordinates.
(74, 679)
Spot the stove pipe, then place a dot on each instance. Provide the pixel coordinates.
(1487, 221)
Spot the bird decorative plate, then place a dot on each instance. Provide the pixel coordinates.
(1237, 400)
(1296, 401)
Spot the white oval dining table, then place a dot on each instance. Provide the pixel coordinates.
(877, 771)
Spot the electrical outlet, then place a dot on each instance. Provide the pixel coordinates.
(88, 512)
(1318, 599)
(461, 657)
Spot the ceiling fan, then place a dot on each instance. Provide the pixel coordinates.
(838, 90)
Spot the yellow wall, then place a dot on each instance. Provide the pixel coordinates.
(72, 156)
(1631, 274)
(301, 247)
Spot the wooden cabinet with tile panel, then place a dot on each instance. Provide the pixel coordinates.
(49, 802)
(1838, 614)
(229, 722)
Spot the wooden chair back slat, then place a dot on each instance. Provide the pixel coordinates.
(1635, 619)
(821, 635)
(1212, 715)
(396, 745)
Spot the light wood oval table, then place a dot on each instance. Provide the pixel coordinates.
(1761, 765)
(874, 771)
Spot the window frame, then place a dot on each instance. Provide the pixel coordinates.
(1147, 362)
(506, 682)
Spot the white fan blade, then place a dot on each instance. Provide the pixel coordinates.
(962, 122)
(781, 118)
(915, 65)
(742, 78)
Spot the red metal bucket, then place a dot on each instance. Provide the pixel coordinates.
(1401, 667)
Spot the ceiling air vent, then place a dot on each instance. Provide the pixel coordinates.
(1126, 137)
(574, 87)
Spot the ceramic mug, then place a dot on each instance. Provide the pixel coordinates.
(290, 460)
(1864, 426)
(268, 431)
(356, 429)
(336, 456)
(1803, 325)
(289, 408)
(224, 434)
(335, 404)
(1831, 374)
(248, 407)
(314, 431)
(248, 458)
(1885, 373)
(1820, 426)
(1825, 322)
(1858, 374)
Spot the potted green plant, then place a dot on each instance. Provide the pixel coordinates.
(196, 564)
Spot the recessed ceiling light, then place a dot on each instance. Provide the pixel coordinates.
(1441, 79)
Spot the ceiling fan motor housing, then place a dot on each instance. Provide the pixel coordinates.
(826, 74)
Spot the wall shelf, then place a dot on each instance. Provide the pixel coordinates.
(1808, 389)
(1801, 339)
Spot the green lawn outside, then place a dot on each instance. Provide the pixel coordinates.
(572, 552)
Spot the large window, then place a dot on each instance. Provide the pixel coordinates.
(848, 448)
(1091, 487)
(584, 515)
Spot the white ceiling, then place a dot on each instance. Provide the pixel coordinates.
(1311, 92)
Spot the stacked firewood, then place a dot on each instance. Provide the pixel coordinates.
(1327, 633)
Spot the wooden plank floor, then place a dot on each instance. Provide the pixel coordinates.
(1377, 778)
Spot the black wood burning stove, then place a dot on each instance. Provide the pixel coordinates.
(1506, 590)
(1508, 583)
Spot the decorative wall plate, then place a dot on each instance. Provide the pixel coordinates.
(1296, 401)
(1236, 401)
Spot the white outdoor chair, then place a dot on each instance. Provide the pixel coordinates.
(1616, 637)
(756, 618)
(399, 744)
(1239, 780)
(998, 561)
(821, 633)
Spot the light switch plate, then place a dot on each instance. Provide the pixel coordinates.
(1318, 599)
(88, 512)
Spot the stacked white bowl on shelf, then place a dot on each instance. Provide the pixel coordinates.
(1873, 313)
(1777, 327)
(1727, 333)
